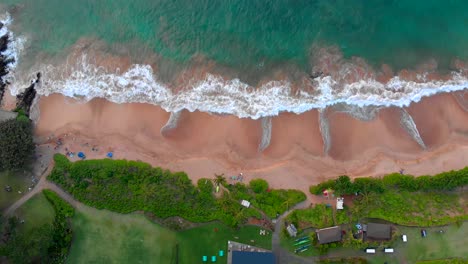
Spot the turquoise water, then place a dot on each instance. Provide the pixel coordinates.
(249, 33)
(249, 58)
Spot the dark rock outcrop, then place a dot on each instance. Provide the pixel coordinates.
(26, 98)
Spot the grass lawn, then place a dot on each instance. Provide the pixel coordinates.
(451, 244)
(105, 237)
(36, 212)
(19, 181)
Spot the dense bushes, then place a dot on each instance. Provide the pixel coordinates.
(16, 143)
(127, 186)
(62, 232)
(440, 182)
(319, 216)
(270, 201)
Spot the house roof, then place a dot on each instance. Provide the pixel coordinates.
(329, 235)
(379, 231)
(248, 257)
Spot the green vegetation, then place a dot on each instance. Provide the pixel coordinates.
(16, 143)
(29, 241)
(444, 261)
(404, 199)
(62, 232)
(45, 234)
(127, 186)
(319, 216)
(446, 247)
(445, 181)
(270, 201)
(108, 237)
(412, 208)
(18, 181)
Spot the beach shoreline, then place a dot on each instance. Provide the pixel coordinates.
(204, 144)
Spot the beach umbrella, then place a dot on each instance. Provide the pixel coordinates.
(110, 154)
(81, 155)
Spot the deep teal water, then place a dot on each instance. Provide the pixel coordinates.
(241, 34)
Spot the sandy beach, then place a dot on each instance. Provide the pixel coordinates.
(205, 144)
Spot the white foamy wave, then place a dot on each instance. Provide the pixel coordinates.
(15, 45)
(213, 94)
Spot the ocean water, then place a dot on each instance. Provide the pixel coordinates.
(248, 58)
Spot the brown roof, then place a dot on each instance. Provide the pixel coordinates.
(379, 231)
(329, 235)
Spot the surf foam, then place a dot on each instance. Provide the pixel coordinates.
(15, 46)
(213, 94)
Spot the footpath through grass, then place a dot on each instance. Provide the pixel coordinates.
(108, 237)
(19, 181)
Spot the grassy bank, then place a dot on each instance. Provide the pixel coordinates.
(108, 237)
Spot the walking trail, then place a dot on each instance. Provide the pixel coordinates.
(41, 185)
(283, 255)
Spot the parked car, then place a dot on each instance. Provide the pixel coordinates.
(370, 250)
(423, 233)
(404, 238)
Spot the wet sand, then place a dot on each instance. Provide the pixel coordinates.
(205, 144)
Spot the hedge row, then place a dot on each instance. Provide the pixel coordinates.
(441, 182)
(62, 232)
(127, 186)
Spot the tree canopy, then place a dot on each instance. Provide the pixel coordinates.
(16, 143)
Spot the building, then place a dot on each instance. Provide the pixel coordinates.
(329, 235)
(339, 203)
(292, 230)
(239, 253)
(247, 257)
(379, 231)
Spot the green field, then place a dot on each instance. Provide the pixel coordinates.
(108, 237)
(19, 181)
(36, 212)
(450, 244)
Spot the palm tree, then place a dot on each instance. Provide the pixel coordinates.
(220, 179)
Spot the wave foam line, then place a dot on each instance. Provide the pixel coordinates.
(213, 94)
(14, 47)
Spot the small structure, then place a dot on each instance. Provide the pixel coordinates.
(292, 230)
(339, 203)
(245, 203)
(379, 231)
(249, 257)
(329, 235)
(239, 253)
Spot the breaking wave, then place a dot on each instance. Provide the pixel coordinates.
(14, 47)
(139, 84)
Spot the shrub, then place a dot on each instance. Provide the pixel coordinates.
(258, 185)
(127, 186)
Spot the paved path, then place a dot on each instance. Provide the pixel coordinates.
(41, 185)
(282, 254)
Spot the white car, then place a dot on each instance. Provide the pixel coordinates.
(404, 238)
